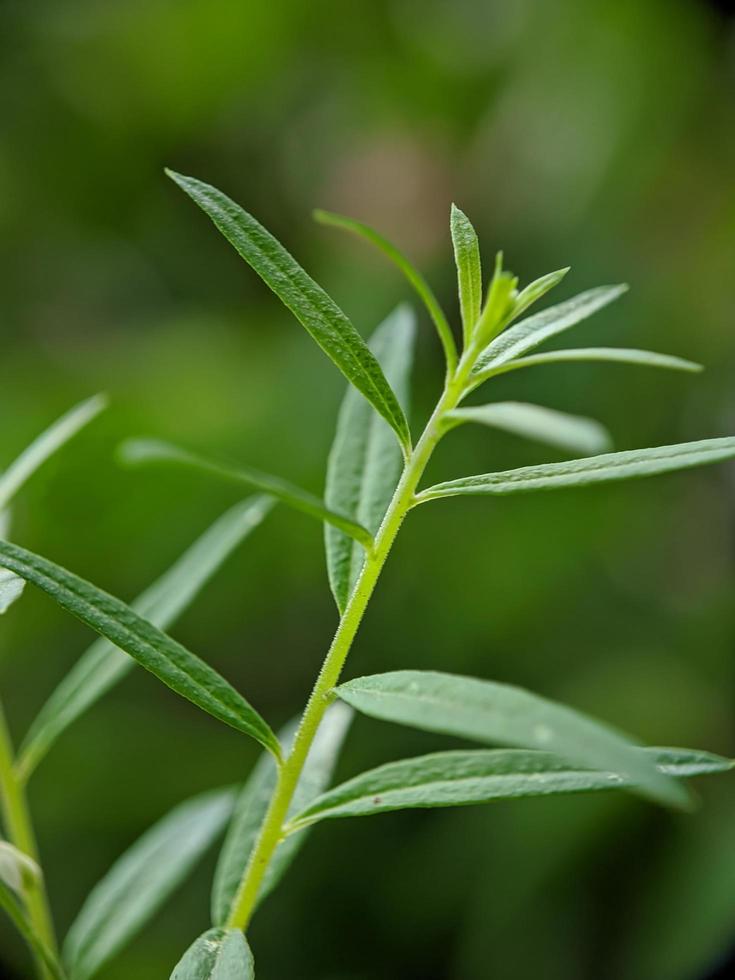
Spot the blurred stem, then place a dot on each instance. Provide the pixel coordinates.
(18, 826)
(272, 829)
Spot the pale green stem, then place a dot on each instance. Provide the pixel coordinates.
(272, 830)
(18, 826)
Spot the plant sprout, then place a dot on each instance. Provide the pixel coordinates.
(373, 481)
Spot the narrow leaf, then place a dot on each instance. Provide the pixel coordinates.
(461, 778)
(46, 445)
(534, 291)
(488, 712)
(168, 660)
(16, 868)
(11, 588)
(469, 270)
(620, 355)
(219, 954)
(595, 469)
(253, 803)
(104, 664)
(136, 452)
(141, 881)
(364, 463)
(501, 301)
(311, 306)
(573, 432)
(17, 915)
(415, 279)
(534, 330)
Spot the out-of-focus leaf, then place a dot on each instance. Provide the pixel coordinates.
(364, 462)
(253, 803)
(620, 355)
(462, 778)
(138, 452)
(17, 915)
(11, 588)
(627, 465)
(311, 306)
(16, 868)
(534, 330)
(416, 280)
(140, 881)
(219, 954)
(574, 432)
(104, 664)
(13, 478)
(488, 712)
(168, 660)
(469, 270)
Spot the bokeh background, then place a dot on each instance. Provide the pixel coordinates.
(596, 135)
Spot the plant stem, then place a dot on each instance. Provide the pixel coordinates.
(18, 826)
(272, 829)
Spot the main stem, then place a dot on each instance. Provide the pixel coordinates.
(19, 828)
(272, 829)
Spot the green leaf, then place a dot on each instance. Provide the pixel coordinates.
(11, 588)
(469, 270)
(364, 463)
(311, 306)
(533, 292)
(17, 915)
(573, 432)
(168, 660)
(219, 954)
(136, 452)
(462, 778)
(627, 465)
(621, 355)
(534, 330)
(141, 881)
(13, 478)
(104, 664)
(501, 301)
(16, 868)
(488, 712)
(253, 803)
(415, 279)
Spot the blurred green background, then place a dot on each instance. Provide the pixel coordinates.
(596, 135)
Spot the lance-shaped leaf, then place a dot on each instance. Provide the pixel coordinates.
(462, 778)
(502, 296)
(253, 802)
(469, 270)
(620, 355)
(627, 465)
(534, 291)
(488, 712)
(140, 881)
(104, 664)
(168, 660)
(573, 432)
(311, 306)
(534, 330)
(137, 452)
(18, 916)
(13, 478)
(365, 462)
(416, 280)
(219, 954)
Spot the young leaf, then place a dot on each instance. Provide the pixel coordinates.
(45, 445)
(469, 270)
(465, 777)
(104, 664)
(219, 954)
(533, 292)
(16, 868)
(501, 299)
(573, 432)
(311, 306)
(595, 469)
(141, 881)
(17, 915)
(253, 803)
(168, 660)
(364, 462)
(534, 330)
(136, 452)
(416, 280)
(621, 355)
(488, 712)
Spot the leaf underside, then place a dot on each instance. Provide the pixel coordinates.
(218, 954)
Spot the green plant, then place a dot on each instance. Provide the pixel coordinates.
(373, 478)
